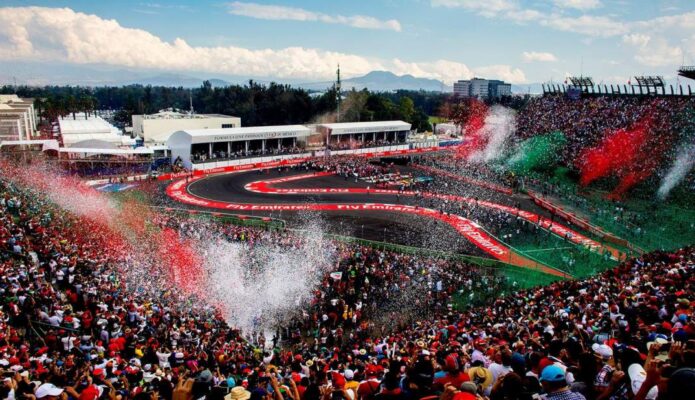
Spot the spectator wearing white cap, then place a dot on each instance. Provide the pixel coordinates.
(604, 357)
(48, 391)
(350, 383)
(637, 376)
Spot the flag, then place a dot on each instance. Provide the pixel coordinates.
(337, 275)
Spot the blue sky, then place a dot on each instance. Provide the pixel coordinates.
(516, 40)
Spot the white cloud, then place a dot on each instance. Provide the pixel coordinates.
(636, 39)
(588, 25)
(531, 56)
(450, 71)
(522, 16)
(273, 12)
(662, 41)
(504, 72)
(578, 4)
(657, 42)
(512, 10)
(654, 52)
(486, 8)
(61, 34)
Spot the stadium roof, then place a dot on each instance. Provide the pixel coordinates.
(77, 138)
(345, 128)
(47, 144)
(82, 125)
(687, 71)
(239, 134)
(137, 150)
(168, 114)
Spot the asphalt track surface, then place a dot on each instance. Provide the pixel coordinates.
(383, 226)
(276, 190)
(349, 204)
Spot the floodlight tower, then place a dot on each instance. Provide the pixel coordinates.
(337, 94)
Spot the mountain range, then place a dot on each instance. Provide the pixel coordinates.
(383, 81)
(38, 74)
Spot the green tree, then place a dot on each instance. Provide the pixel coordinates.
(421, 121)
(72, 105)
(406, 109)
(354, 105)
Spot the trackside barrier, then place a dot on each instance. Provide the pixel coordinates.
(608, 237)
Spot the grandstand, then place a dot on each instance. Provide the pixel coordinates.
(687, 71)
(643, 85)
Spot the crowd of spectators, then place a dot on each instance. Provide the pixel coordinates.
(449, 162)
(223, 155)
(349, 166)
(352, 144)
(96, 170)
(586, 120)
(385, 329)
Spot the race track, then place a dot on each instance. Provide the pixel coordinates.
(354, 203)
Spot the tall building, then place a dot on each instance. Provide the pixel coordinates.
(482, 88)
(156, 128)
(17, 118)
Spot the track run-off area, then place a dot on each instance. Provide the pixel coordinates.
(365, 199)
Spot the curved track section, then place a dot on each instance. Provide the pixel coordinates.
(267, 187)
(473, 232)
(469, 229)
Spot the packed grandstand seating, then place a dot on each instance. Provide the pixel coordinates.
(223, 156)
(586, 120)
(348, 166)
(352, 144)
(70, 327)
(98, 170)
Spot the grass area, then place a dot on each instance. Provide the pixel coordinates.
(654, 227)
(646, 222)
(559, 253)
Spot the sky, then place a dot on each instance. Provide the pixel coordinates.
(520, 41)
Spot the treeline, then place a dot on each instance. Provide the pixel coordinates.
(256, 104)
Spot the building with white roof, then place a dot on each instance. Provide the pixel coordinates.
(17, 118)
(369, 133)
(156, 128)
(198, 145)
(91, 131)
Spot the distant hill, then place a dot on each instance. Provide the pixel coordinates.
(383, 81)
(39, 74)
(175, 80)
